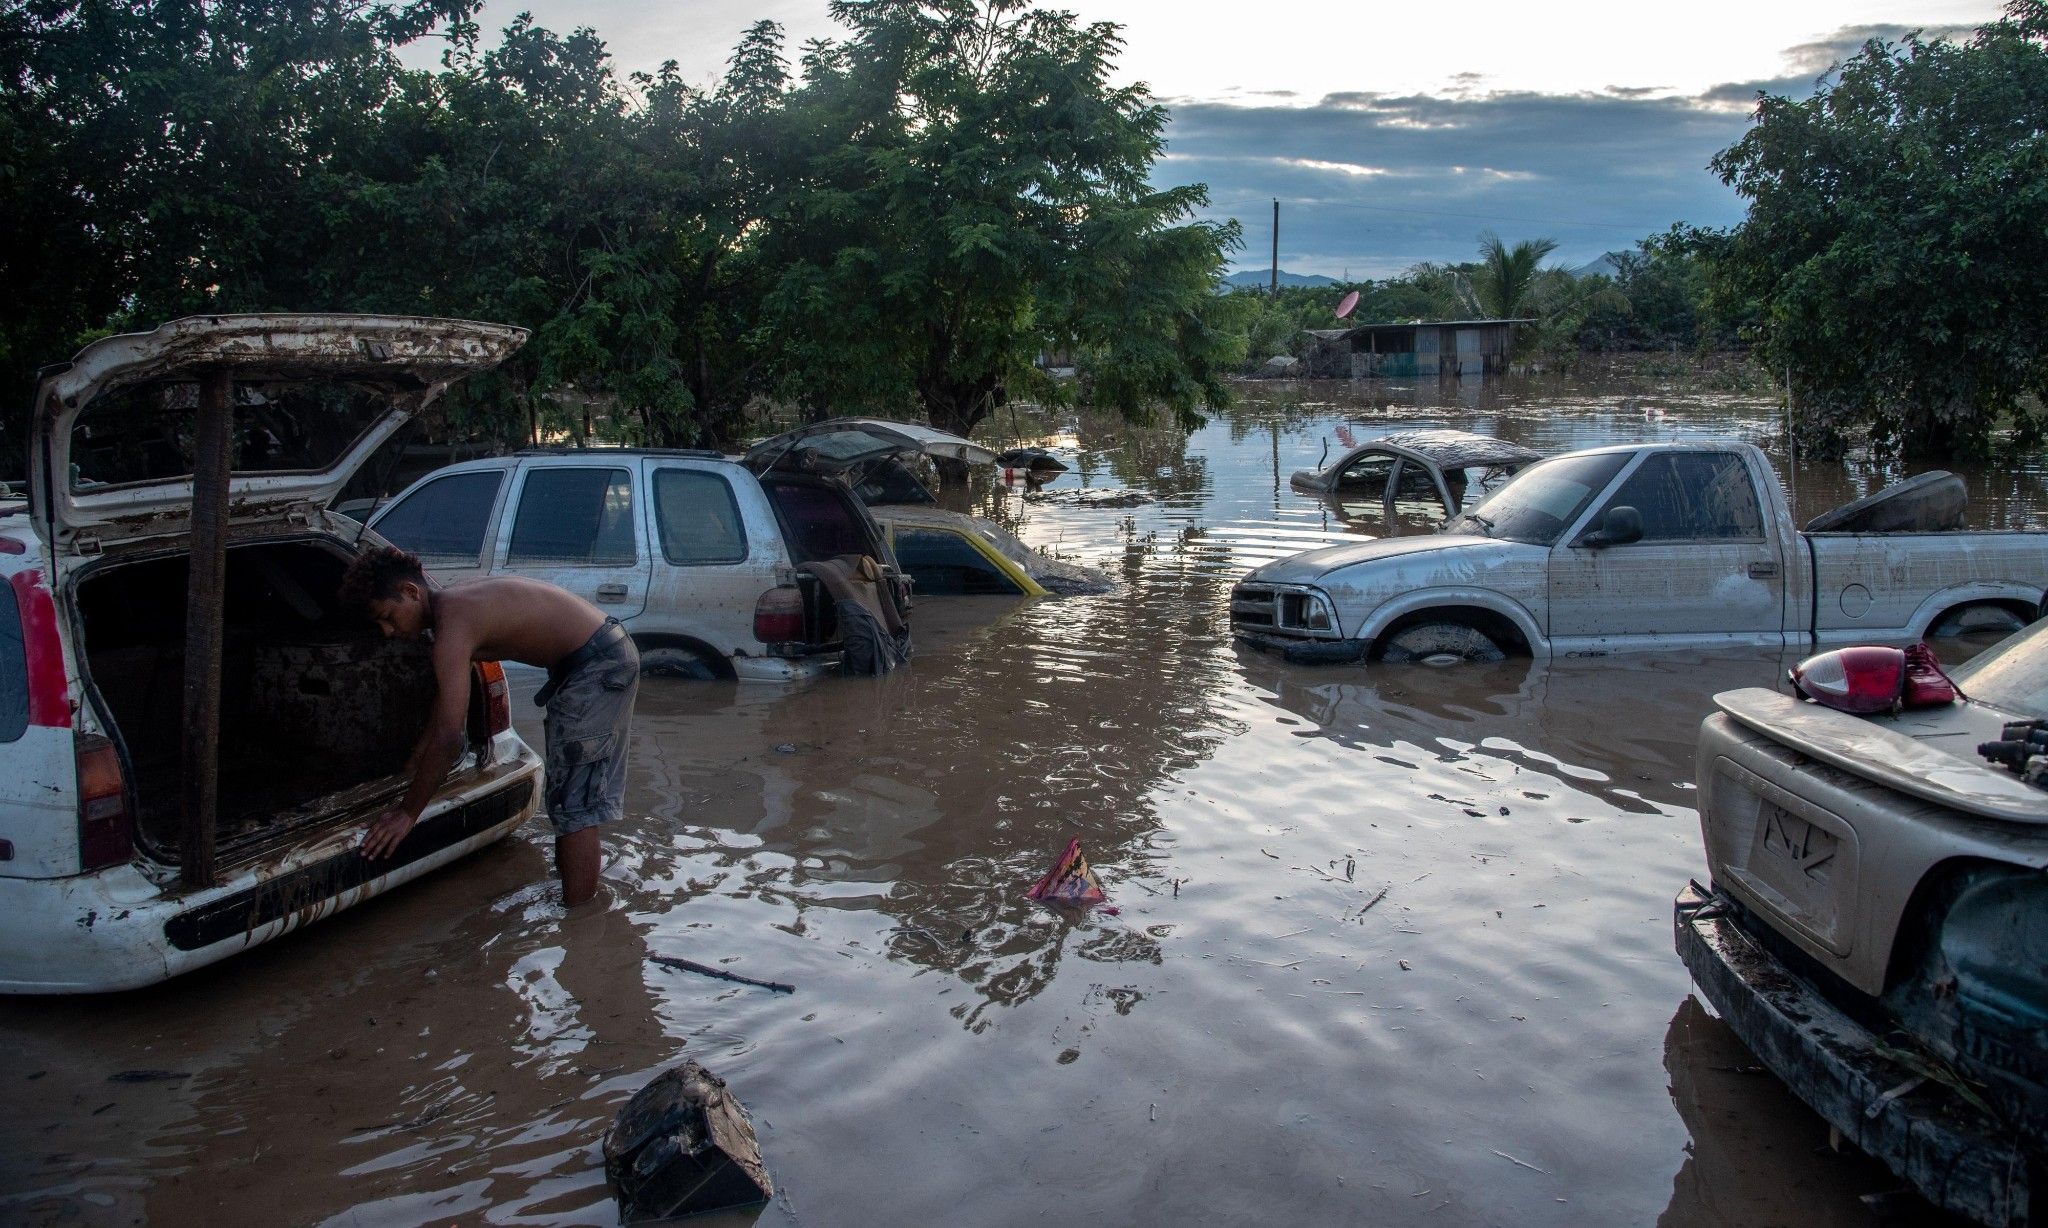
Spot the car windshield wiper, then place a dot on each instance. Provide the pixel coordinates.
(1484, 524)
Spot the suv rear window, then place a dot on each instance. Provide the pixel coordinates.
(13, 669)
(574, 517)
(444, 521)
(698, 518)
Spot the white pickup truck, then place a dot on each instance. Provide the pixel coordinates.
(1648, 546)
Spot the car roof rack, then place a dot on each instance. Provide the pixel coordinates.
(700, 453)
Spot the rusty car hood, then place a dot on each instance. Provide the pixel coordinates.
(843, 444)
(384, 367)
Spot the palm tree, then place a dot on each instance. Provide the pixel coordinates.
(1505, 276)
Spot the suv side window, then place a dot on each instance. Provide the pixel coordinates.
(444, 521)
(574, 517)
(1693, 496)
(698, 518)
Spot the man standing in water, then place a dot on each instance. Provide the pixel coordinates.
(593, 674)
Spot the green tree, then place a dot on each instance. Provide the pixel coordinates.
(975, 193)
(1505, 278)
(1897, 227)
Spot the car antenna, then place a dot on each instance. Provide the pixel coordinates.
(1326, 452)
(390, 470)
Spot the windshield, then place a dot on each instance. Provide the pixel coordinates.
(2012, 674)
(1542, 501)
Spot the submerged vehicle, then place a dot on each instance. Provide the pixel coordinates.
(1637, 547)
(1877, 916)
(700, 555)
(1434, 471)
(318, 712)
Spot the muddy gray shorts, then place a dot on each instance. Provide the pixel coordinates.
(590, 715)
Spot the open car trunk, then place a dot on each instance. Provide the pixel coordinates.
(318, 711)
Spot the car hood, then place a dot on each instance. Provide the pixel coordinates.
(842, 444)
(383, 368)
(1312, 565)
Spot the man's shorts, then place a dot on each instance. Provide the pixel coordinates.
(590, 715)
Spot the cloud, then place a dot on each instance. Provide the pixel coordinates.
(1372, 183)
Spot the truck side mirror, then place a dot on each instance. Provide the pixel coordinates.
(1619, 527)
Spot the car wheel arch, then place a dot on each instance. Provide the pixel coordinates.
(653, 646)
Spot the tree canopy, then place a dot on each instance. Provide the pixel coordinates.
(1898, 223)
(903, 222)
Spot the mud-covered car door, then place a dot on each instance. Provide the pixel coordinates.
(445, 519)
(1706, 569)
(579, 525)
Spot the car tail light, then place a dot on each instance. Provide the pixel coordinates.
(1870, 678)
(497, 697)
(779, 615)
(106, 836)
(49, 693)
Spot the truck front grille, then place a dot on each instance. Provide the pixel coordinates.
(1278, 609)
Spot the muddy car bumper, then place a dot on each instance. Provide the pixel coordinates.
(1303, 651)
(124, 929)
(1958, 1157)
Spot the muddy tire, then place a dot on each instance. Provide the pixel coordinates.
(685, 663)
(1439, 644)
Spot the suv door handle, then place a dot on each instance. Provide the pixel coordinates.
(617, 592)
(1757, 571)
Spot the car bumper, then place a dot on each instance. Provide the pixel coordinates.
(120, 929)
(1958, 1157)
(1303, 651)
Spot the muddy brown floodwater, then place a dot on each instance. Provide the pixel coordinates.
(1505, 1037)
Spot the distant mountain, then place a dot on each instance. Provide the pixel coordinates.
(1607, 265)
(1264, 277)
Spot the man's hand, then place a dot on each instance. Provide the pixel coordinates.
(386, 830)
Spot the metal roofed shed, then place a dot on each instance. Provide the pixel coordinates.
(1443, 348)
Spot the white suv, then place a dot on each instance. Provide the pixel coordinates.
(318, 712)
(697, 553)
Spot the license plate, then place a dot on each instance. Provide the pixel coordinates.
(1797, 859)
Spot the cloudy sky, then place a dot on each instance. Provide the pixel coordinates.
(1393, 133)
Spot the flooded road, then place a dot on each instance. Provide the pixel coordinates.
(1392, 944)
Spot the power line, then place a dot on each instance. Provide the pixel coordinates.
(1632, 228)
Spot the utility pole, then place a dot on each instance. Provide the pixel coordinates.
(1274, 288)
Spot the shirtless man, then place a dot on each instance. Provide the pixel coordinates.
(593, 673)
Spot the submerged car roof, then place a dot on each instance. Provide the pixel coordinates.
(1453, 449)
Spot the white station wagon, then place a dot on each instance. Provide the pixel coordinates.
(318, 713)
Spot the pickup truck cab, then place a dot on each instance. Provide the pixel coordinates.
(318, 712)
(1876, 920)
(698, 553)
(1631, 548)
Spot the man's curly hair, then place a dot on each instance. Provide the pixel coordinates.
(376, 575)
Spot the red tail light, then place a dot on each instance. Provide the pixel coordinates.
(106, 835)
(497, 697)
(779, 615)
(1869, 679)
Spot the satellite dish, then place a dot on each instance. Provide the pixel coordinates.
(1350, 301)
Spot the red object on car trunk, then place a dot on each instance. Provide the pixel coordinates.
(1870, 678)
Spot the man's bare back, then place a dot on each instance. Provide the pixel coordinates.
(511, 618)
(502, 618)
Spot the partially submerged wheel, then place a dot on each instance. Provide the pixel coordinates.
(1439, 643)
(678, 663)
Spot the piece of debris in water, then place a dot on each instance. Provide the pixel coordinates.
(683, 1146)
(1070, 881)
